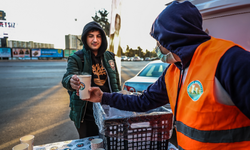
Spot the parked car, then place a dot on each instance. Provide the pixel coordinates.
(147, 76)
(147, 58)
(154, 58)
(137, 58)
(124, 58)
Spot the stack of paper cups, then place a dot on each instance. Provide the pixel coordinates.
(29, 139)
(96, 143)
(22, 146)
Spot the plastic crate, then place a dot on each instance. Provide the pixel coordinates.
(142, 132)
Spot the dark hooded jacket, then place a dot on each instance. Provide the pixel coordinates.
(96, 60)
(102, 68)
(179, 29)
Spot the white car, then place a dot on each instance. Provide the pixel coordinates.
(147, 76)
(147, 58)
(124, 58)
(137, 58)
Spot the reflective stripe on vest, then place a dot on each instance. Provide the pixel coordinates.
(220, 136)
(201, 121)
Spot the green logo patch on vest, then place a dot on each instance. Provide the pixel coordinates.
(195, 90)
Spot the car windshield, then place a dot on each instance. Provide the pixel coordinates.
(153, 70)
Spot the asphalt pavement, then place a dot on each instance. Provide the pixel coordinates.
(33, 101)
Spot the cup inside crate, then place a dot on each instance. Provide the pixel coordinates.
(130, 130)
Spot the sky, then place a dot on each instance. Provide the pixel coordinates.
(48, 21)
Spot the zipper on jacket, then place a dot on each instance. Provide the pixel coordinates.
(107, 77)
(87, 101)
(109, 89)
(84, 112)
(178, 91)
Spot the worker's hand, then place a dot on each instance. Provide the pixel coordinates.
(95, 95)
(75, 83)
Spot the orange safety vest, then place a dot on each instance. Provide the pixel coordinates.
(201, 122)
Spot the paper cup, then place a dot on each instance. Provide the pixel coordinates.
(22, 146)
(85, 83)
(29, 139)
(96, 143)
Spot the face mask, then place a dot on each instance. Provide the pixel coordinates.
(167, 58)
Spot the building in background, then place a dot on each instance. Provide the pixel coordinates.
(73, 42)
(28, 44)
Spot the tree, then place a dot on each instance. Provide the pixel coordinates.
(127, 51)
(130, 52)
(80, 41)
(140, 52)
(148, 53)
(127, 48)
(102, 20)
(153, 54)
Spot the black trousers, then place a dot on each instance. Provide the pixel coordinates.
(87, 129)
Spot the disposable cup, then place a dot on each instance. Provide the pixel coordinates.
(96, 143)
(29, 139)
(22, 146)
(85, 84)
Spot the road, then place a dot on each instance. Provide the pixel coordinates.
(33, 101)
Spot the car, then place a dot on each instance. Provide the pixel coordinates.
(154, 58)
(147, 58)
(124, 58)
(137, 58)
(145, 77)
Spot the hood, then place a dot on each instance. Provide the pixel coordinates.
(86, 29)
(178, 28)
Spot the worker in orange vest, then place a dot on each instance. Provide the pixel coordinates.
(207, 83)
